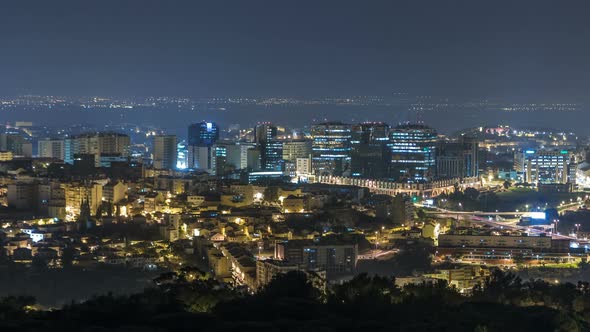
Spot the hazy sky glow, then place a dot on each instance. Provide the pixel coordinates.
(514, 49)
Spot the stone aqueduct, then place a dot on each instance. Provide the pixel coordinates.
(428, 189)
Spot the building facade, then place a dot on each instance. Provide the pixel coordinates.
(333, 257)
(164, 152)
(549, 167)
(96, 144)
(457, 159)
(331, 148)
(51, 148)
(413, 153)
(203, 134)
(296, 149)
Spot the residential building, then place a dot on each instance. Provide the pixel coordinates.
(6, 155)
(325, 254)
(96, 144)
(164, 151)
(51, 148)
(17, 144)
(114, 192)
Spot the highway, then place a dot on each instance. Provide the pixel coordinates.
(564, 207)
(475, 217)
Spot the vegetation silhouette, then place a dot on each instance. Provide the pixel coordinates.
(191, 300)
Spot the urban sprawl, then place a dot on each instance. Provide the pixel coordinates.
(330, 200)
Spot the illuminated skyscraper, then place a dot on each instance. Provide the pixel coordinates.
(181, 155)
(331, 148)
(413, 149)
(549, 167)
(296, 149)
(203, 134)
(271, 149)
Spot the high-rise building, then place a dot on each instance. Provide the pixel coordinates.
(369, 154)
(206, 158)
(17, 144)
(273, 155)
(96, 144)
(77, 193)
(198, 157)
(370, 132)
(296, 149)
(51, 148)
(237, 154)
(413, 151)
(164, 151)
(181, 155)
(264, 132)
(549, 167)
(203, 134)
(457, 159)
(253, 156)
(331, 148)
(271, 149)
(220, 155)
(370, 160)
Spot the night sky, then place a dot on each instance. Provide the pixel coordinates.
(513, 49)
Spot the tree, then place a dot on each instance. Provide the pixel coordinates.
(293, 284)
(84, 217)
(67, 256)
(364, 291)
(420, 214)
(99, 210)
(471, 193)
(38, 263)
(14, 307)
(109, 208)
(271, 194)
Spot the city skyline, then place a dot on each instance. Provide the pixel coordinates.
(331, 165)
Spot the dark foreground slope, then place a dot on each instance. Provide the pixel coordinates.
(290, 303)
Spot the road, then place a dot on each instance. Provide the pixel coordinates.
(511, 225)
(378, 254)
